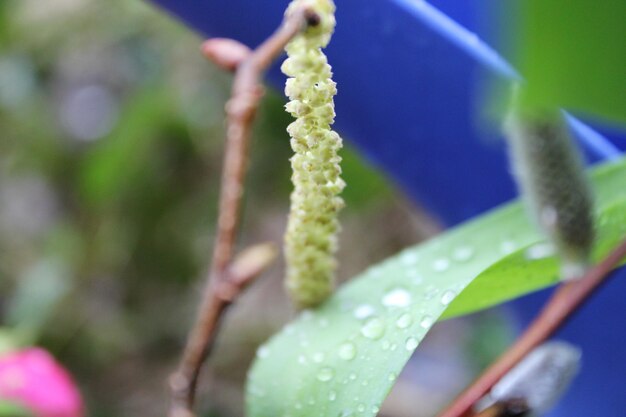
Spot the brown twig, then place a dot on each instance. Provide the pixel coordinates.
(226, 280)
(565, 301)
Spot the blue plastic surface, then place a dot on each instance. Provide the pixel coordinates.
(410, 83)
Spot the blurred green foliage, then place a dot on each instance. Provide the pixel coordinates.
(573, 55)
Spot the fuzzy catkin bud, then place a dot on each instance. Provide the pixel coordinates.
(550, 172)
(311, 237)
(541, 378)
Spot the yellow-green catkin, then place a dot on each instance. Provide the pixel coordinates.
(311, 237)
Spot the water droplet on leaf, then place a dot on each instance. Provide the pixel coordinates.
(325, 374)
(263, 352)
(507, 247)
(409, 258)
(539, 251)
(318, 357)
(404, 321)
(373, 329)
(398, 297)
(347, 351)
(463, 254)
(364, 311)
(447, 297)
(411, 343)
(427, 321)
(441, 264)
(415, 276)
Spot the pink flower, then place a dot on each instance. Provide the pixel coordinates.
(32, 378)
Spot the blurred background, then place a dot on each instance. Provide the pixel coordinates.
(111, 139)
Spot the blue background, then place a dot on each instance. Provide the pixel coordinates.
(411, 99)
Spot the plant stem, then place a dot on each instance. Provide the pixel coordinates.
(223, 285)
(565, 301)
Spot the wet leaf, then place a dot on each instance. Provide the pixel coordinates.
(343, 358)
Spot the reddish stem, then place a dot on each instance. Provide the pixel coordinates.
(565, 301)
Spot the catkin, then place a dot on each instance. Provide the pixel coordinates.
(550, 172)
(311, 237)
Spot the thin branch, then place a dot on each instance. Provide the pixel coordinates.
(223, 285)
(565, 301)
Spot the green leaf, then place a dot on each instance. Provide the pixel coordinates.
(573, 55)
(343, 358)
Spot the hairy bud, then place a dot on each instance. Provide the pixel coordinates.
(550, 173)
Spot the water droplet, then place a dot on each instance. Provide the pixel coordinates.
(398, 297)
(347, 351)
(375, 409)
(318, 357)
(507, 247)
(332, 396)
(297, 405)
(430, 292)
(364, 311)
(404, 321)
(365, 382)
(290, 328)
(447, 297)
(411, 343)
(352, 376)
(302, 360)
(415, 276)
(360, 408)
(463, 253)
(392, 376)
(306, 315)
(386, 345)
(441, 264)
(393, 347)
(427, 321)
(409, 258)
(325, 374)
(539, 251)
(252, 389)
(263, 352)
(373, 329)
(376, 270)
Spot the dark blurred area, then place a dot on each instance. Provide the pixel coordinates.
(111, 138)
